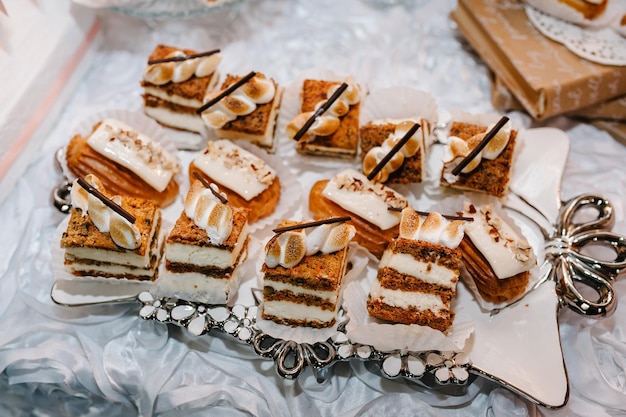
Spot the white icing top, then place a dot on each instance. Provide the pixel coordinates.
(459, 148)
(289, 248)
(354, 192)
(132, 149)
(434, 228)
(106, 220)
(208, 212)
(235, 168)
(180, 71)
(506, 251)
(242, 101)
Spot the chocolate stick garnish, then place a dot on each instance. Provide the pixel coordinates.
(445, 216)
(183, 58)
(393, 151)
(320, 111)
(226, 92)
(106, 200)
(312, 224)
(206, 184)
(490, 135)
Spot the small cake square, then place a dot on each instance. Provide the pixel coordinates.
(407, 166)
(303, 274)
(248, 113)
(205, 248)
(490, 171)
(336, 132)
(99, 242)
(175, 83)
(418, 273)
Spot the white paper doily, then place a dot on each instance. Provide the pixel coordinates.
(602, 45)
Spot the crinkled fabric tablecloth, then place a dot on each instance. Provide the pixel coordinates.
(105, 360)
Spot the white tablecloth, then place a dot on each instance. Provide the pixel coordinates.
(105, 360)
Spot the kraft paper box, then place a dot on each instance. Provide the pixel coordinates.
(543, 75)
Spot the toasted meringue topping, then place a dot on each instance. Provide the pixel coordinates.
(132, 149)
(235, 168)
(106, 220)
(328, 122)
(458, 149)
(180, 71)
(289, 248)
(244, 100)
(507, 252)
(434, 228)
(208, 212)
(377, 153)
(369, 200)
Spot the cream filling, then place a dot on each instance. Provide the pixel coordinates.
(196, 287)
(294, 311)
(127, 258)
(427, 272)
(176, 99)
(330, 296)
(110, 269)
(186, 121)
(206, 255)
(407, 299)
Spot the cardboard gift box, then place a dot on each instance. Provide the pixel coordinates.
(45, 49)
(545, 77)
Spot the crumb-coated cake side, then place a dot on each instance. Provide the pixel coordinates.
(98, 242)
(490, 172)
(303, 272)
(175, 83)
(418, 273)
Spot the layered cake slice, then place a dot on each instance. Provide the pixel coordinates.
(488, 171)
(111, 236)
(247, 180)
(331, 131)
(497, 258)
(407, 166)
(244, 108)
(418, 273)
(175, 83)
(372, 207)
(205, 248)
(303, 273)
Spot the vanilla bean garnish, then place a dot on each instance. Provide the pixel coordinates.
(183, 58)
(106, 200)
(320, 111)
(393, 151)
(226, 92)
(330, 220)
(490, 135)
(445, 216)
(206, 184)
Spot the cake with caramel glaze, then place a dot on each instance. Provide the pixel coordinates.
(245, 178)
(205, 248)
(336, 132)
(248, 113)
(174, 90)
(98, 242)
(418, 273)
(490, 171)
(350, 193)
(496, 257)
(303, 273)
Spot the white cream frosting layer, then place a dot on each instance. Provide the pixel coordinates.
(132, 149)
(431, 273)
(186, 121)
(355, 193)
(294, 311)
(235, 168)
(193, 286)
(508, 253)
(407, 299)
(330, 296)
